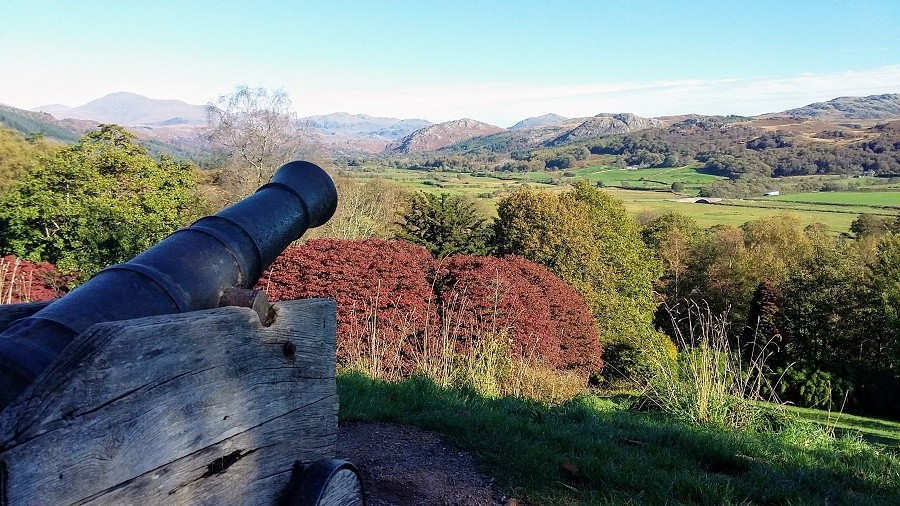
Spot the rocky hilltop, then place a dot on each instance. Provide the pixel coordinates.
(441, 135)
(606, 124)
(539, 121)
(851, 108)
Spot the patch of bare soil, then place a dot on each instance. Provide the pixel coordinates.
(407, 466)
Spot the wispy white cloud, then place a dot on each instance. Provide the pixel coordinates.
(505, 103)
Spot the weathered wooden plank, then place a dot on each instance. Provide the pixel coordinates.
(199, 408)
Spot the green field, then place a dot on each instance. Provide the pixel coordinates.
(889, 199)
(647, 191)
(727, 212)
(647, 179)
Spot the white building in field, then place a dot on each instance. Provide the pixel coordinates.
(773, 193)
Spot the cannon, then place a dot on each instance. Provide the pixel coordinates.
(189, 270)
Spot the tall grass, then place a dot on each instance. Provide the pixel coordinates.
(458, 353)
(710, 382)
(14, 285)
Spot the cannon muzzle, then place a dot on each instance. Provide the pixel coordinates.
(187, 271)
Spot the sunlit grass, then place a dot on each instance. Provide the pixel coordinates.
(883, 432)
(593, 450)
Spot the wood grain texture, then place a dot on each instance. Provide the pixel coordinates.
(207, 407)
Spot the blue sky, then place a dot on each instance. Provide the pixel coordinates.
(495, 61)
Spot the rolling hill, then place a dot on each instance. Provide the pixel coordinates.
(28, 122)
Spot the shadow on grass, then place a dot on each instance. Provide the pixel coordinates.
(591, 451)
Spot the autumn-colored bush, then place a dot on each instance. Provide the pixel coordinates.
(384, 300)
(24, 281)
(400, 310)
(546, 320)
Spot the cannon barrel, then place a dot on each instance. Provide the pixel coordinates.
(188, 270)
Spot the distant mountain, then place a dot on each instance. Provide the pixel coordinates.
(359, 133)
(539, 121)
(851, 108)
(176, 123)
(56, 110)
(363, 124)
(129, 109)
(606, 124)
(441, 135)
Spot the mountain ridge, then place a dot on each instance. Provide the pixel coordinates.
(174, 121)
(884, 106)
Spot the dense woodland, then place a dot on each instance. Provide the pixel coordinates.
(566, 280)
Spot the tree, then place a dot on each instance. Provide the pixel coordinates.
(364, 210)
(17, 155)
(885, 326)
(586, 238)
(823, 321)
(98, 202)
(763, 317)
(560, 162)
(257, 130)
(445, 224)
(673, 237)
(869, 224)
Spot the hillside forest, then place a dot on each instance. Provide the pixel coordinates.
(557, 286)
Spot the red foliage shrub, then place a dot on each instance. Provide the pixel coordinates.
(379, 286)
(393, 297)
(24, 281)
(546, 319)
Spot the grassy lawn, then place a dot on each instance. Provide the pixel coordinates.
(592, 450)
(882, 432)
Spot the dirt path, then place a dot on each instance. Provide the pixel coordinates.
(406, 466)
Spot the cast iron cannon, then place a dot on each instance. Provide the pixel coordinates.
(187, 271)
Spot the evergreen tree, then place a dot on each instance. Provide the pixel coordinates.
(445, 224)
